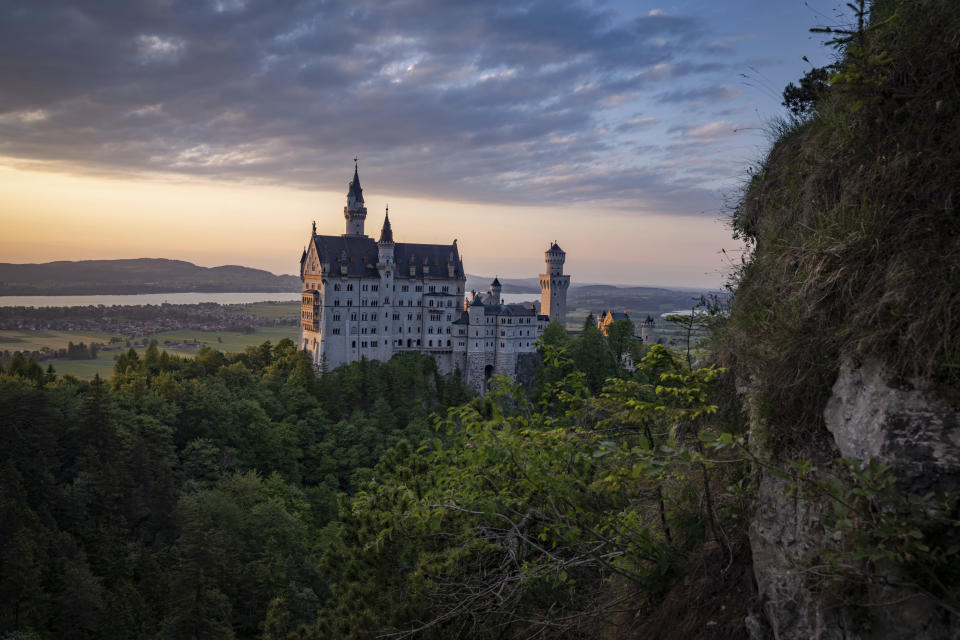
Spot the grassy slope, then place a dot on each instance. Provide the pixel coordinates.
(853, 220)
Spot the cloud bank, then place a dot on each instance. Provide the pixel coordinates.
(541, 102)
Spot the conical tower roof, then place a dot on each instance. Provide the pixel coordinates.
(386, 233)
(355, 189)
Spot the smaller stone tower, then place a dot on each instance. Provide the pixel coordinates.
(554, 285)
(646, 330)
(355, 213)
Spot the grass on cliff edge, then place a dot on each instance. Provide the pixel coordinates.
(853, 227)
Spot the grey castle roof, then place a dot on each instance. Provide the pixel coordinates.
(555, 247)
(360, 254)
(496, 282)
(513, 310)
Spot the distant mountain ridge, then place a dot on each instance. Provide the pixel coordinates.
(138, 275)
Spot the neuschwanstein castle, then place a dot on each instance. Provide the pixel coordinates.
(371, 299)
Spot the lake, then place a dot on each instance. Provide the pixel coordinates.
(181, 298)
(145, 298)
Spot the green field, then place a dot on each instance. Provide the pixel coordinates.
(229, 341)
(271, 310)
(18, 340)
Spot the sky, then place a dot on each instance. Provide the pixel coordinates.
(216, 131)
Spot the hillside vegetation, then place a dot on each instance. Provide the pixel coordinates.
(852, 223)
(844, 337)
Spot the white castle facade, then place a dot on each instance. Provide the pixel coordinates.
(372, 299)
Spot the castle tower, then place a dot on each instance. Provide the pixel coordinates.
(646, 330)
(355, 213)
(479, 356)
(554, 285)
(495, 290)
(386, 267)
(385, 245)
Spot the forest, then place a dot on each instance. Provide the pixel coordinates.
(241, 496)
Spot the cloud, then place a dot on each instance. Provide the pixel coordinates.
(636, 124)
(155, 49)
(500, 101)
(708, 131)
(700, 95)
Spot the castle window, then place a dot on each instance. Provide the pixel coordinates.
(404, 287)
(336, 302)
(419, 288)
(349, 303)
(419, 316)
(353, 317)
(363, 302)
(431, 303)
(336, 286)
(373, 303)
(448, 343)
(418, 343)
(373, 329)
(364, 331)
(349, 287)
(374, 287)
(431, 343)
(336, 316)
(336, 332)
(362, 317)
(446, 289)
(373, 316)
(366, 287)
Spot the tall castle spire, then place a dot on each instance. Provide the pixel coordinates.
(355, 213)
(386, 233)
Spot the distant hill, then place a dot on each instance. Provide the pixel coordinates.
(633, 300)
(141, 275)
(510, 285)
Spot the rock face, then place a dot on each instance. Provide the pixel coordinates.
(871, 415)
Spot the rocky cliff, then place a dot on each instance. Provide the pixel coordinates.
(844, 332)
(872, 415)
